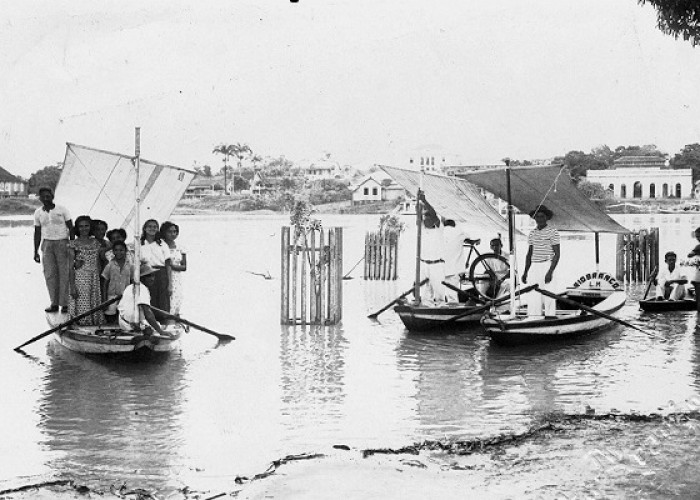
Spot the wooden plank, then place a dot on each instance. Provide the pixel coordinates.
(284, 273)
(365, 267)
(339, 274)
(331, 276)
(322, 275)
(303, 294)
(313, 278)
(293, 315)
(620, 258)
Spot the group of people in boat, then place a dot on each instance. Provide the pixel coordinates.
(443, 260)
(86, 265)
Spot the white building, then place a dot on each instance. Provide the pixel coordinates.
(432, 158)
(376, 187)
(644, 177)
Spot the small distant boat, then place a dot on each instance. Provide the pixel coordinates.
(663, 305)
(568, 322)
(682, 208)
(122, 190)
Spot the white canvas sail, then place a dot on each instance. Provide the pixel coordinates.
(101, 184)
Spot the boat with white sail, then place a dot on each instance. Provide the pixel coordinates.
(122, 190)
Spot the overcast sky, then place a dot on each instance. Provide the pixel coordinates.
(365, 80)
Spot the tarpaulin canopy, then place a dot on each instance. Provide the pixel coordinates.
(553, 187)
(102, 185)
(452, 198)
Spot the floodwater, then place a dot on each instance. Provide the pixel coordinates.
(210, 413)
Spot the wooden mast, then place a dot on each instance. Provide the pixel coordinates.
(419, 223)
(511, 242)
(137, 224)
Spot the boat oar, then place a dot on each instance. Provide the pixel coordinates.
(221, 336)
(487, 306)
(587, 309)
(407, 292)
(69, 322)
(651, 280)
(347, 275)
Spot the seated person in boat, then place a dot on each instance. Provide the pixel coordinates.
(432, 254)
(454, 238)
(117, 276)
(500, 284)
(127, 315)
(670, 283)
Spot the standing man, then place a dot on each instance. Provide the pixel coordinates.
(541, 261)
(454, 238)
(53, 225)
(432, 254)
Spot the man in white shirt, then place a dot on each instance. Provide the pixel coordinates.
(432, 254)
(455, 259)
(671, 280)
(53, 225)
(500, 270)
(127, 318)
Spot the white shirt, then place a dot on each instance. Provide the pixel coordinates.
(432, 243)
(665, 275)
(52, 223)
(154, 254)
(126, 304)
(455, 259)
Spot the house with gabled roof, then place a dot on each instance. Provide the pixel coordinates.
(375, 187)
(11, 185)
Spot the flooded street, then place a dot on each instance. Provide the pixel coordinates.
(211, 413)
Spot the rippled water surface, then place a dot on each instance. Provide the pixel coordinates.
(209, 413)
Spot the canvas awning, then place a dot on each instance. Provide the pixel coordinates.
(102, 185)
(552, 186)
(453, 198)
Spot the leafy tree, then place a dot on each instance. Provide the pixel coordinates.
(226, 151)
(593, 190)
(648, 150)
(579, 163)
(46, 177)
(678, 18)
(603, 153)
(516, 163)
(689, 157)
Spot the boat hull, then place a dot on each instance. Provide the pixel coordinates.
(653, 305)
(422, 318)
(111, 340)
(567, 324)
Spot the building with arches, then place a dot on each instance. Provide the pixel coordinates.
(644, 177)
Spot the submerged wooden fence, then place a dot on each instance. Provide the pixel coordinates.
(637, 255)
(381, 255)
(312, 276)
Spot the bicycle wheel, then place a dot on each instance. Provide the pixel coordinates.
(487, 272)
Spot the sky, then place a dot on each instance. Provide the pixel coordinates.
(368, 81)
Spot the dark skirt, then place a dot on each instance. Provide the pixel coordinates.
(160, 297)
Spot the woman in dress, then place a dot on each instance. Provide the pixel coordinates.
(155, 253)
(178, 257)
(83, 255)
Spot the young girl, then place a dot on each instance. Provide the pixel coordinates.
(117, 276)
(156, 254)
(178, 258)
(83, 258)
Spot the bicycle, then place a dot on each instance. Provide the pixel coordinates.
(485, 280)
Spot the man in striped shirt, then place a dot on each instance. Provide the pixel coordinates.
(540, 263)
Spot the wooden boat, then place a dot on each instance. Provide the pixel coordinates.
(530, 187)
(568, 322)
(112, 340)
(122, 190)
(594, 297)
(654, 305)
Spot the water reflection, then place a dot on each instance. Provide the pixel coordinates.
(312, 377)
(108, 420)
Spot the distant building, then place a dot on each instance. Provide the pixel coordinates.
(11, 185)
(324, 169)
(202, 186)
(376, 187)
(644, 177)
(432, 158)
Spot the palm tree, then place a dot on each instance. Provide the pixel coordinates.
(226, 150)
(240, 151)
